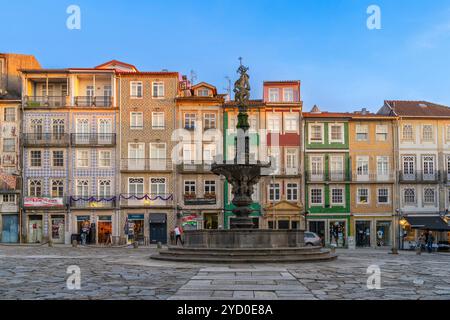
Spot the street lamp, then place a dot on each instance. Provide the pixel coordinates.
(397, 242)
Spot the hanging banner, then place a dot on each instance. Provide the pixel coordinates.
(43, 202)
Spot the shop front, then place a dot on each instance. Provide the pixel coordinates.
(333, 230)
(35, 227)
(158, 228)
(136, 228)
(104, 230)
(10, 228)
(58, 228)
(413, 226)
(372, 231)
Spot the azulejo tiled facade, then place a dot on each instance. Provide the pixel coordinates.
(129, 152)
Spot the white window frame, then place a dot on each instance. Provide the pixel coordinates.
(411, 128)
(358, 199)
(160, 87)
(341, 125)
(336, 175)
(426, 203)
(41, 185)
(404, 196)
(100, 158)
(342, 189)
(362, 129)
(190, 185)
(157, 118)
(276, 186)
(41, 160)
(211, 184)
(201, 92)
(6, 114)
(101, 184)
(51, 187)
(427, 139)
(138, 118)
(322, 197)
(274, 94)
(290, 188)
(134, 85)
(383, 160)
(289, 119)
(158, 185)
(52, 158)
(319, 176)
(273, 123)
(212, 117)
(382, 130)
(129, 184)
(78, 152)
(363, 162)
(322, 132)
(87, 187)
(285, 92)
(388, 196)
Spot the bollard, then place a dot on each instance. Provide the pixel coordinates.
(159, 245)
(74, 243)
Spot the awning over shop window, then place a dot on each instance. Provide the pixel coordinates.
(157, 218)
(428, 223)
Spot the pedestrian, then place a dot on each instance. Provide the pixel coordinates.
(430, 242)
(422, 242)
(178, 232)
(84, 232)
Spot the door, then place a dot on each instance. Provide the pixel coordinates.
(89, 95)
(82, 131)
(157, 156)
(158, 233)
(363, 231)
(136, 154)
(104, 230)
(318, 227)
(10, 228)
(337, 168)
(35, 229)
(316, 169)
(291, 162)
(58, 229)
(105, 131)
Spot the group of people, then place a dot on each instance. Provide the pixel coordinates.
(426, 241)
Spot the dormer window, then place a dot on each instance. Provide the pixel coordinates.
(288, 95)
(203, 92)
(274, 95)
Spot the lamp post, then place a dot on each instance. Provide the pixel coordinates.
(397, 242)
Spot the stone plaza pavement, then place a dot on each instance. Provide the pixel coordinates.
(39, 272)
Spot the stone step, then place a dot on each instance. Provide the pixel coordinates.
(297, 250)
(240, 253)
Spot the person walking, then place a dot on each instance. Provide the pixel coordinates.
(84, 232)
(178, 232)
(430, 242)
(422, 242)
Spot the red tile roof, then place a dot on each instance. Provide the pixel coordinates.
(417, 108)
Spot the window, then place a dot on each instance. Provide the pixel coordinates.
(317, 166)
(408, 165)
(316, 196)
(10, 115)
(409, 196)
(316, 131)
(407, 132)
(428, 165)
(158, 186)
(158, 89)
(189, 121)
(136, 186)
(36, 128)
(336, 133)
(429, 196)
(362, 166)
(274, 192)
(136, 121)
(82, 158)
(210, 121)
(158, 120)
(337, 196)
(291, 161)
(35, 158)
(274, 95)
(292, 192)
(210, 187)
(382, 132)
(209, 152)
(362, 133)
(427, 133)
(189, 187)
(382, 166)
(9, 198)
(9, 145)
(58, 158)
(288, 95)
(35, 188)
(291, 123)
(82, 188)
(104, 158)
(203, 92)
(58, 129)
(383, 196)
(273, 123)
(136, 89)
(337, 167)
(363, 196)
(57, 189)
(104, 188)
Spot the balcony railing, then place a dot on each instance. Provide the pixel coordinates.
(45, 139)
(146, 200)
(333, 176)
(93, 139)
(194, 167)
(89, 101)
(92, 202)
(419, 177)
(192, 200)
(45, 101)
(144, 164)
(373, 177)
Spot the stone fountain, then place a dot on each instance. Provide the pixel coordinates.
(243, 243)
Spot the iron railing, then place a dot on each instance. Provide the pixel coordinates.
(419, 176)
(89, 101)
(45, 139)
(45, 101)
(145, 164)
(93, 139)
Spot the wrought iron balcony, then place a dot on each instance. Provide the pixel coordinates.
(144, 164)
(93, 139)
(98, 101)
(419, 177)
(92, 202)
(146, 200)
(194, 167)
(45, 139)
(192, 200)
(333, 176)
(45, 101)
(373, 178)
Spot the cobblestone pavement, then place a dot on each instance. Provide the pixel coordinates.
(125, 273)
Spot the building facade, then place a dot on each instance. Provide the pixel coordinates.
(10, 128)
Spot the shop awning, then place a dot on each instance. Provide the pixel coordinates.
(428, 223)
(157, 218)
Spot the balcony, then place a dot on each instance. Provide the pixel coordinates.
(192, 200)
(45, 139)
(142, 164)
(419, 177)
(93, 139)
(44, 202)
(373, 178)
(94, 102)
(327, 177)
(93, 202)
(45, 101)
(146, 200)
(194, 167)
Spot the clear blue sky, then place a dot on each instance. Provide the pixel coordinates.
(325, 43)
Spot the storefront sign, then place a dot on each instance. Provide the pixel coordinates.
(83, 218)
(43, 202)
(135, 217)
(104, 218)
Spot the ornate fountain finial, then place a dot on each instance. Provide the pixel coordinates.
(242, 86)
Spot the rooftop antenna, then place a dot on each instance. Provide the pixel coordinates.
(193, 77)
